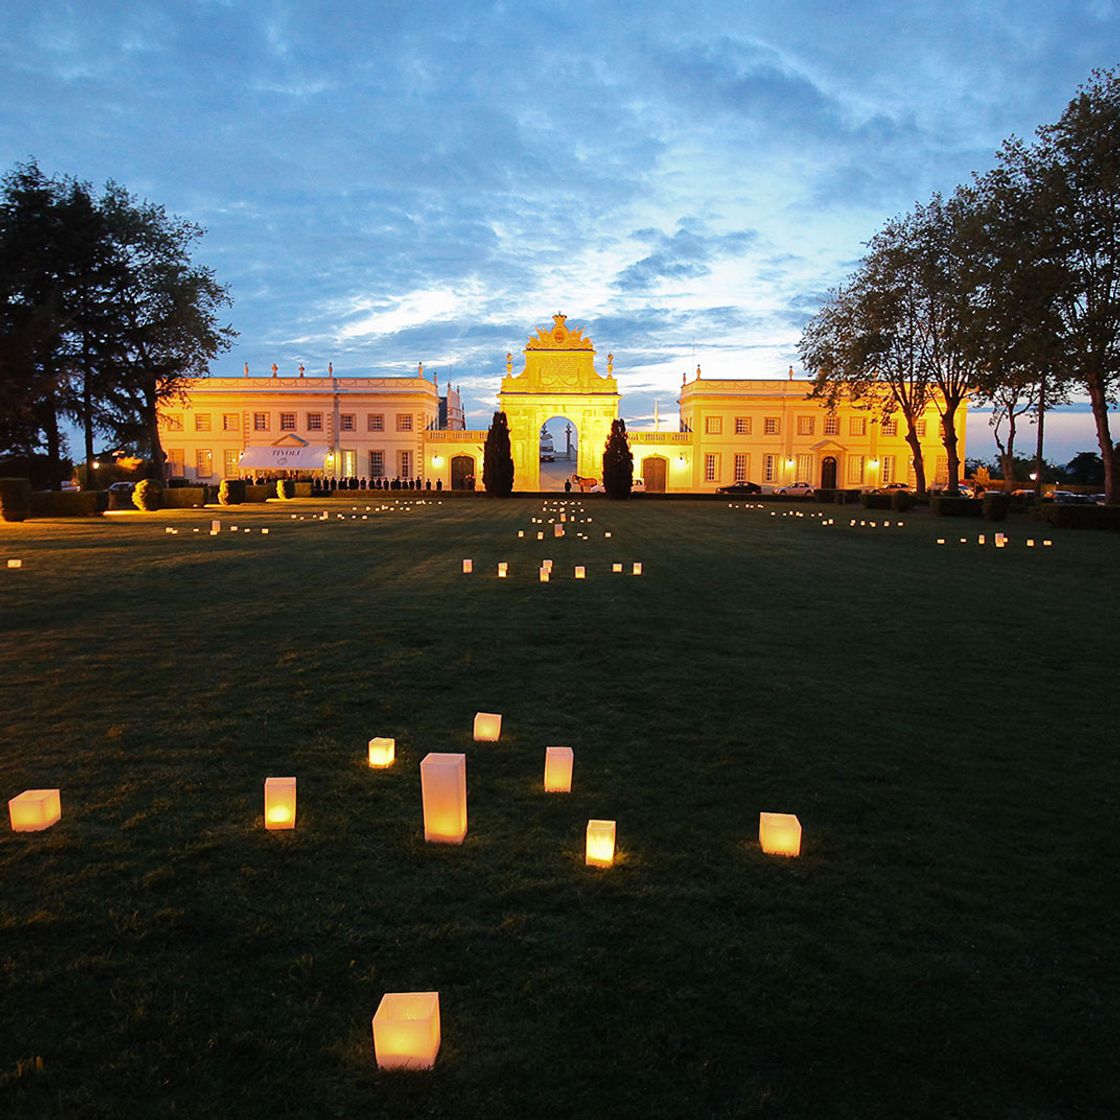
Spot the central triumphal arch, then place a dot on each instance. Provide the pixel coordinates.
(559, 379)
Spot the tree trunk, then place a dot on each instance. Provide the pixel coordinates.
(949, 439)
(1099, 401)
(919, 462)
(54, 444)
(1038, 445)
(87, 426)
(151, 419)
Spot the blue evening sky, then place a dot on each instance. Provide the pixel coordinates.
(389, 183)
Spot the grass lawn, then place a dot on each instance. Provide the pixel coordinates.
(943, 720)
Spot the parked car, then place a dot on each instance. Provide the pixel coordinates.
(122, 487)
(1072, 498)
(740, 488)
(892, 488)
(801, 489)
(70, 487)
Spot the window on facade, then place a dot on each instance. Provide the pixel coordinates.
(890, 427)
(375, 422)
(832, 425)
(713, 425)
(404, 462)
(287, 421)
(346, 422)
(857, 425)
(742, 468)
(173, 421)
(231, 421)
(771, 426)
(260, 421)
(175, 462)
(921, 427)
(887, 473)
(314, 421)
(806, 425)
(855, 469)
(804, 468)
(349, 464)
(742, 425)
(202, 421)
(230, 459)
(204, 462)
(711, 468)
(404, 422)
(377, 464)
(769, 468)
(942, 476)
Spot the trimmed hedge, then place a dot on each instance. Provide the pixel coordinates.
(945, 505)
(303, 490)
(148, 495)
(285, 488)
(875, 501)
(184, 497)
(1079, 517)
(67, 503)
(902, 501)
(997, 505)
(15, 499)
(231, 492)
(255, 493)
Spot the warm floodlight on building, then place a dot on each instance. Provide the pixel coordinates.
(558, 769)
(406, 1032)
(382, 752)
(600, 843)
(279, 803)
(437, 460)
(35, 809)
(443, 791)
(779, 834)
(487, 727)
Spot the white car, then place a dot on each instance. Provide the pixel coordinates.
(802, 489)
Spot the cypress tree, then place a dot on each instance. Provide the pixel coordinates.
(618, 462)
(497, 460)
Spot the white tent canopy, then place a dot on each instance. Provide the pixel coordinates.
(291, 458)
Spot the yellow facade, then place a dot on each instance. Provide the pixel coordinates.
(766, 432)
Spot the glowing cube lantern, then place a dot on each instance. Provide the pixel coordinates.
(279, 803)
(581, 572)
(382, 752)
(779, 834)
(637, 569)
(557, 530)
(406, 1030)
(215, 526)
(540, 536)
(443, 790)
(600, 843)
(545, 574)
(35, 809)
(616, 567)
(503, 569)
(1030, 542)
(468, 567)
(19, 563)
(558, 769)
(487, 727)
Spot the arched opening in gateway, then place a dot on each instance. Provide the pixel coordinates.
(463, 473)
(558, 448)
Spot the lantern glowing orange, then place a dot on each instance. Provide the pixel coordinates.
(779, 834)
(279, 803)
(35, 809)
(545, 574)
(637, 568)
(581, 572)
(503, 569)
(558, 769)
(406, 1030)
(616, 567)
(468, 567)
(382, 752)
(600, 843)
(443, 790)
(487, 727)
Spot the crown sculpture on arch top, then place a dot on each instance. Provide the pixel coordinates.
(559, 359)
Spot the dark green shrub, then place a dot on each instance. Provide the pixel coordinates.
(285, 488)
(996, 505)
(178, 482)
(231, 492)
(148, 494)
(1079, 517)
(947, 505)
(875, 501)
(62, 503)
(825, 495)
(618, 462)
(497, 459)
(184, 497)
(303, 490)
(902, 501)
(15, 499)
(258, 493)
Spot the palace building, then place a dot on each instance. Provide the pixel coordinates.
(767, 432)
